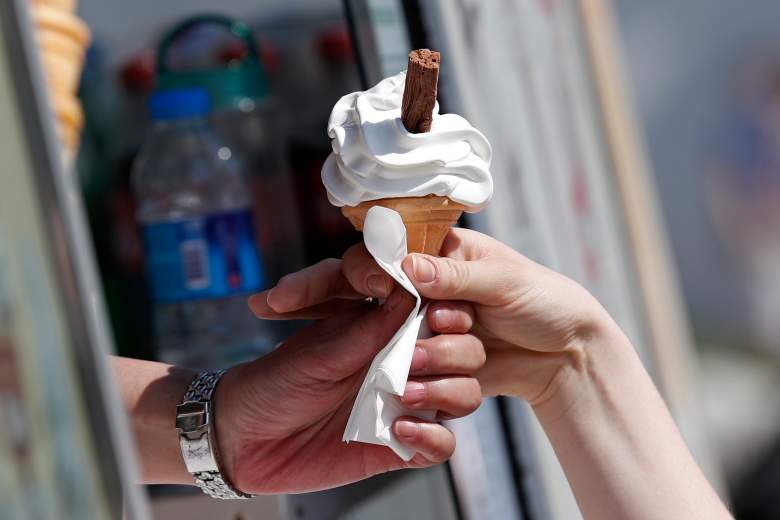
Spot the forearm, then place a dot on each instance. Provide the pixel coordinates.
(150, 392)
(617, 442)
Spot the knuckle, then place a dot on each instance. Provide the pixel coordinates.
(337, 283)
(354, 251)
(481, 355)
(456, 276)
(447, 270)
(460, 307)
(509, 280)
(290, 290)
(446, 353)
(286, 281)
(462, 313)
(330, 264)
(303, 295)
(419, 461)
(354, 257)
(357, 266)
(331, 270)
(458, 354)
(470, 396)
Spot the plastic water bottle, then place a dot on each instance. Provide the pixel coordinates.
(201, 257)
(245, 116)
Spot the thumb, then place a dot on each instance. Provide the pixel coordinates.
(481, 281)
(338, 347)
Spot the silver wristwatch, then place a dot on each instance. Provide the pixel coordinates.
(194, 422)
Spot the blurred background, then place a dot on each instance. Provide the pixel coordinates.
(705, 79)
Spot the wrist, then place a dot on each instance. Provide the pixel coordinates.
(612, 434)
(151, 391)
(584, 369)
(227, 429)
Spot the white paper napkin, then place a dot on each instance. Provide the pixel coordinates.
(376, 407)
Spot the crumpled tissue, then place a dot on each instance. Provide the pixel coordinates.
(376, 406)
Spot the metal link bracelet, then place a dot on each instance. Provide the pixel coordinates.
(194, 422)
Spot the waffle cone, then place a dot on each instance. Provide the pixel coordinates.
(62, 5)
(68, 109)
(70, 138)
(70, 120)
(62, 41)
(427, 219)
(67, 24)
(62, 75)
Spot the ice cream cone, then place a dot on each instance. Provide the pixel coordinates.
(70, 138)
(68, 109)
(62, 74)
(427, 219)
(62, 40)
(60, 43)
(65, 23)
(63, 5)
(70, 120)
(419, 174)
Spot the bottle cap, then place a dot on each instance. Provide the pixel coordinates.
(179, 103)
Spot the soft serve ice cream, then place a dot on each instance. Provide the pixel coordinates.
(374, 156)
(392, 148)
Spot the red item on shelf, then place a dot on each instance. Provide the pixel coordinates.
(137, 73)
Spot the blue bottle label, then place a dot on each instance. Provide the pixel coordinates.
(204, 257)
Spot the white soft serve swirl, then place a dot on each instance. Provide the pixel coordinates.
(375, 157)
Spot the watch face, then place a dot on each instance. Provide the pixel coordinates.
(191, 416)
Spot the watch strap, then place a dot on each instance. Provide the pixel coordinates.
(195, 424)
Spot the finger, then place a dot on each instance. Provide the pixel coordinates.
(464, 244)
(486, 281)
(311, 286)
(433, 442)
(451, 396)
(364, 274)
(450, 317)
(448, 354)
(259, 305)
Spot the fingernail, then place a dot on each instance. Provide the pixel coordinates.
(423, 268)
(414, 393)
(419, 359)
(378, 285)
(406, 429)
(442, 319)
